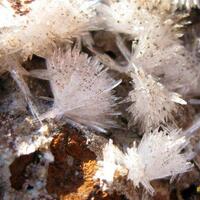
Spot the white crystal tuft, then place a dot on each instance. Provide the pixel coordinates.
(82, 89)
(159, 155)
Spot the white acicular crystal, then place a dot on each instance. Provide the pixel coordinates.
(123, 16)
(160, 53)
(49, 22)
(112, 160)
(159, 155)
(82, 89)
(152, 104)
(157, 48)
(188, 4)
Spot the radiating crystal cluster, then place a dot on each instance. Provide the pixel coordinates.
(157, 156)
(141, 85)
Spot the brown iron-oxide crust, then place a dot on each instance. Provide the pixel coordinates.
(70, 176)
